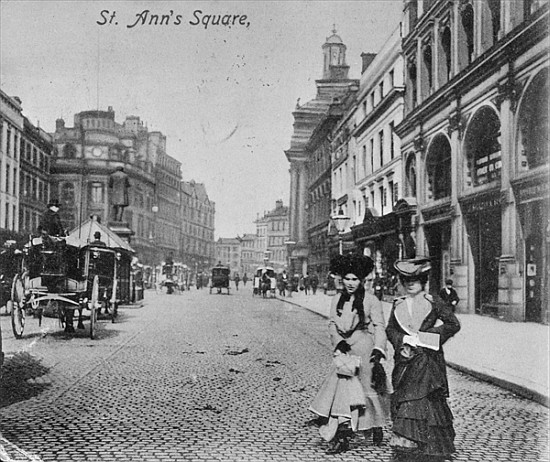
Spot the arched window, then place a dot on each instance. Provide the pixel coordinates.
(438, 169)
(482, 145)
(533, 123)
(466, 35)
(411, 89)
(410, 170)
(427, 74)
(445, 61)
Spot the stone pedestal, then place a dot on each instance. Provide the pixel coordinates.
(122, 230)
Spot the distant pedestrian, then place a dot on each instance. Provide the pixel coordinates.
(245, 279)
(283, 283)
(237, 279)
(449, 295)
(307, 284)
(418, 327)
(314, 283)
(356, 326)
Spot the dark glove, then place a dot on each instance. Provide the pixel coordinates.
(343, 346)
(376, 356)
(378, 378)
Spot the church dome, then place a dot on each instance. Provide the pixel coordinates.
(334, 38)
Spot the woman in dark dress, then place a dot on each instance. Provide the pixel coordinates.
(418, 327)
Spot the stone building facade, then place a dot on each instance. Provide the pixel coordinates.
(86, 154)
(309, 158)
(36, 152)
(374, 202)
(276, 226)
(251, 256)
(475, 149)
(197, 233)
(228, 253)
(11, 129)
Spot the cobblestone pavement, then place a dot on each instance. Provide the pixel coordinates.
(199, 377)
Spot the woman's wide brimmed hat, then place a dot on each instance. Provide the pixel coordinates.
(419, 266)
(360, 265)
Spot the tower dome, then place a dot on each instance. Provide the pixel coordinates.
(334, 38)
(334, 52)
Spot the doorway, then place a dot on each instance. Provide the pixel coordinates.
(438, 237)
(484, 230)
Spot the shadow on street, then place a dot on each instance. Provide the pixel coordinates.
(18, 379)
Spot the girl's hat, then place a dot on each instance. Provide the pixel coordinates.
(418, 266)
(360, 265)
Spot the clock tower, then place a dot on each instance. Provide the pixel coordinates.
(334, 54)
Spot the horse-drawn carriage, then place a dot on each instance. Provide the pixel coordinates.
(220, 278)
(265, 282)
(63, 274)
(175, 276)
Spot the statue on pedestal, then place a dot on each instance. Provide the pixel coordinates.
(118, 185)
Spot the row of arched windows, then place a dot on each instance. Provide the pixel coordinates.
(482, 146)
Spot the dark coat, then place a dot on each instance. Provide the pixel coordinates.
(451, 298)
(50, 223)
(425, 372)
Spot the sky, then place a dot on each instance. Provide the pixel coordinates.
(222, 94)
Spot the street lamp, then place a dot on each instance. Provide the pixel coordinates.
(290, 245)
(341, 221)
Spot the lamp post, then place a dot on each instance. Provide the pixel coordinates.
(341, 221)
(290, 245)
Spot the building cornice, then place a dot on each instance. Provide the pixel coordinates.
(516, 43)
(394, 94)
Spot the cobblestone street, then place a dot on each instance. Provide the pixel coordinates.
(199, 377)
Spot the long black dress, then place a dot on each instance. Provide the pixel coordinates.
(420, 413)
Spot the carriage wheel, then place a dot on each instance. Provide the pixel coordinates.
(94, 302)
(18, 307)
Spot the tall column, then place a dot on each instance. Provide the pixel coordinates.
(421, 248)
(459, 259)
(293, 202)
(510, 293)
(301, 203)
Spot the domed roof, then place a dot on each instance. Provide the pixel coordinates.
(334, 38)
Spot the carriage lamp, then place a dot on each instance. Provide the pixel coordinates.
(341, 221)
(118, 255)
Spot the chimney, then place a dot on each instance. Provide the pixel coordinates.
(59, 124)
(367, 60)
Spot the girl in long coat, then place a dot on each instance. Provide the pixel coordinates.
(418, 327)
(357, 328)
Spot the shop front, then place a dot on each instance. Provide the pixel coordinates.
(532, 199)
(387, 238)
(437, 230)
(482, 215)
